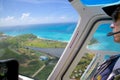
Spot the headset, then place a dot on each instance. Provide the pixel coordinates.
(112, 33)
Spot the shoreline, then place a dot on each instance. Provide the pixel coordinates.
(65, 41)
(51, 39)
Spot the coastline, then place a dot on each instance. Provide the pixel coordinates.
(65, 41)
(60, 32)
(52, 39)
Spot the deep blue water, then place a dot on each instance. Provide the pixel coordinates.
(58, 31)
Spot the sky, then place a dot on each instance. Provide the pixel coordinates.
(24, 12)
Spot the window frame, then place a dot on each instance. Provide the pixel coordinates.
(82, 49)
(85, 26)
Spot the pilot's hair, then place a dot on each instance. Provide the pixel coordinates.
(116, 14)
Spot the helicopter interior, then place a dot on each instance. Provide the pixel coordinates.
(90, 45)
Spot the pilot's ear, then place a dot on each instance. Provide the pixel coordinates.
(109, 10)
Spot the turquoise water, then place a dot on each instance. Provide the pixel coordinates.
(104, 42)
(58, 31)
(63, 32)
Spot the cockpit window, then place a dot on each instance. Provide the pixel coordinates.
(98, 2)
(35, 32)
(99, 48)
(102, 41)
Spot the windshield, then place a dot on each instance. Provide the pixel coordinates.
(99, 48)
(102, 41)
(35, 32)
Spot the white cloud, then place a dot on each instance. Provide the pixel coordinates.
(25, 16)
(12, 21)
(9, 18)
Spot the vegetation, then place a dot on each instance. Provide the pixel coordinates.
(93, 41)
(17, 48)
(45, 43)
(1, 33)
(43, 75)
(84, 62)
(82, 65)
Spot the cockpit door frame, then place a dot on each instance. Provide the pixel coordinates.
(88, 17)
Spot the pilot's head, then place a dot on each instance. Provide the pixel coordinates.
(116, 24)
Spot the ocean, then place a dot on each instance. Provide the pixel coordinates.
(105, 43)
(56, 31)
(63, 32)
